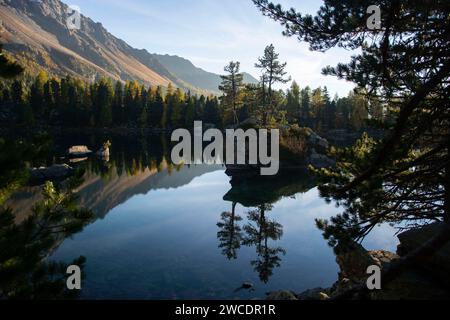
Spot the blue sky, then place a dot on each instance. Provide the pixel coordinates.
(212, 32)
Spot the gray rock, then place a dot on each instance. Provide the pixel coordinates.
(353, 262)
(439, 264)
(55, 172)
(317, 141)
(320, 160)
(247, 285)
(79, 151)
(282, 295)
(314, 294)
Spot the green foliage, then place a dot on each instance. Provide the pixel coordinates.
(402, 76)
(272, 72)
(8, 68)
(24, 272)
(231, 86)
(71, 102)
(15, 157)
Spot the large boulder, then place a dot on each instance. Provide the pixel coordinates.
(439, 263)
(55, 172)
(318, 160)
(79, 151)
(410, 284)
(317, 141)
(354, 260)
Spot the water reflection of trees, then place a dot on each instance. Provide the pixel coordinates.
(258, 232)
(258, 195)
(230, 233)
(130, 154)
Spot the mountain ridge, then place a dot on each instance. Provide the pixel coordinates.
(35, 33)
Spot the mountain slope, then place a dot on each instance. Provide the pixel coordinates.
(103, 195)
(185, 70)
(35, 32)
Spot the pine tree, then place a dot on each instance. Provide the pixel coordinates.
(305, 105)
(200, 108)
(49, 100)
(143, 107)
(177, 108)
(22, 107)
(103, 102)
(117, 106)
(231, 86)
(190, 112)
(317, 106)
(157, 109)
(272, 72)
(37, 101)
(359, 109)
(293, 103)
(404, 178)
(131, 102)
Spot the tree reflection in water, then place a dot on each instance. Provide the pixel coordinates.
(258, 232)
(230, 233)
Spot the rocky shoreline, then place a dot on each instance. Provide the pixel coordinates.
(429, 280)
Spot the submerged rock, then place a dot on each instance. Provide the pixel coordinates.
(282, 295)
(314, 294)
(245, 286)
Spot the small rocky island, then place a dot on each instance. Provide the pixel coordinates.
(299, 148)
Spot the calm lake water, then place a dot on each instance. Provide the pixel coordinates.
(165, 232)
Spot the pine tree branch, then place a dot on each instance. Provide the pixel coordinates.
(401, 124)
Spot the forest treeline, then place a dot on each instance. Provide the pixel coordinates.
(71, 102)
